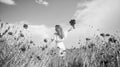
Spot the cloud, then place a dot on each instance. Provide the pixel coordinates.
(8, 2)
(42, 2)
(99, 13)
(40, 32)
(45, 3)
(94, 15)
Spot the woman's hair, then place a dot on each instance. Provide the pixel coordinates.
(59, 31)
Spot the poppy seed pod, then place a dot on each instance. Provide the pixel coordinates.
(25, 26)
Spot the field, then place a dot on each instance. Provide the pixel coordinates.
(17, 49)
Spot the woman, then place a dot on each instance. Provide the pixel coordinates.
(59, 38)
(60, 35)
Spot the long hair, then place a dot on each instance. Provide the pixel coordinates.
(59, 31)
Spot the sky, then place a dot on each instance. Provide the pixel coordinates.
(102, 14)
(43, 15)
(56, 12)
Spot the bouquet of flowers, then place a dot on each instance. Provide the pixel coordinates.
(72, 23)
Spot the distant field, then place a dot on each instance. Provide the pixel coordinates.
(17, 49)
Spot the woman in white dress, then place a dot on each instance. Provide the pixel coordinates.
(60, 35)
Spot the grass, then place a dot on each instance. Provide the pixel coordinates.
(21, 51)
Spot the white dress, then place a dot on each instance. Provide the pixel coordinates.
(59, 41)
